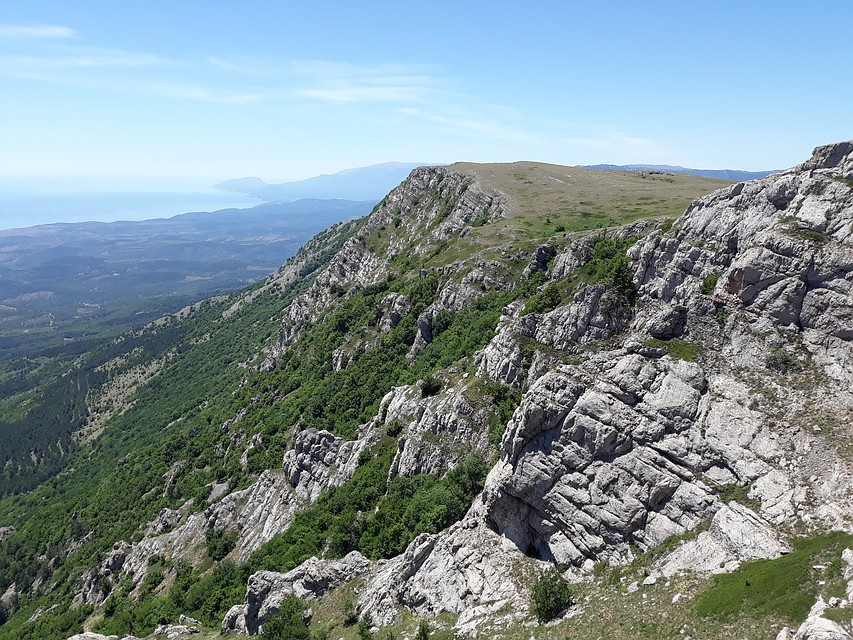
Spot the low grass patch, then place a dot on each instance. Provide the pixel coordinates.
(547, 199)
(809, 235)
(677, 348)
(783, 588)
(839, 614)
(738, 493)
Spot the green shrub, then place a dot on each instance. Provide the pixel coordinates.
(809, 235)
(783, 362)
(364, 629)
(219, 543)
(420, 504)
(423, 631)
(394, 428)
(738, 493)
(350, 613)
(431, 386)
(610, 266)
(288, 623)
(544, 301)
(677, 348)
(709, 283)
(551, 594)
(505, 400)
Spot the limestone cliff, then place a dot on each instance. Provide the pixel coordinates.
(631, 445)
(706, 394)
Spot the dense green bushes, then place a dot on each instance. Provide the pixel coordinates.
(373, 516)
(551, 594)
(505, 400)
(610, 265)
(219, 543)
(420, 504)
(709, 283)
(367, 513)
(288, 623)
(544, 301)
(305, 388)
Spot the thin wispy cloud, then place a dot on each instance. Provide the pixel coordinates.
(609, 142)
(335, 82)
(79, 59)
(40, 31)
(363, 94)
(482, 127)
(612, 139)
(202, 94)
(246, 67)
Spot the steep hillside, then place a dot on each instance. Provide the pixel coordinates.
(512, 393)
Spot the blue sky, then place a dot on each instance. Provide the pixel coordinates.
(211, 90)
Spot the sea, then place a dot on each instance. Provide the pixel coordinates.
(21, 208)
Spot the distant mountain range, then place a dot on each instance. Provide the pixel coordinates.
(726, 174)
(364, 183)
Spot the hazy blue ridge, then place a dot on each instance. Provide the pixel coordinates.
(726, 174)
(21, 209)
(364, 183)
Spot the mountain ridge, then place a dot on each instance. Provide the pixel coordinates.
(626, 380)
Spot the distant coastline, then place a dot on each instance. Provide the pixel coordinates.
(20, 210)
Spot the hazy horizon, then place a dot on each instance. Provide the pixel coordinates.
(285, 92)
(22, 209)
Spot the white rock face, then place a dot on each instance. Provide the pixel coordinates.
(816, 627)
(175, 631)
(589, 467)
(736, 534)
(267, 589)
(463, 571)
(782, 247)
(320, 460)
(633, 446)
(433, 203)
(440, 431)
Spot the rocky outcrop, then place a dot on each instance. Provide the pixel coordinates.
(440, 432)
(736, 534)
(503, 358)
(590, 466)
(816, 626)
(267, 589)
(318, 461)
(462, 571)
(433, 205)
(594, 313)
(631, 445)
(780, 248)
